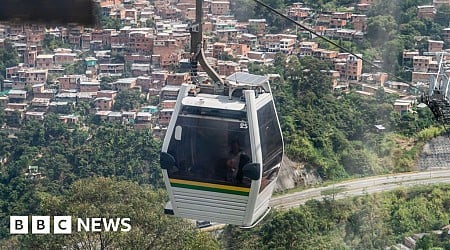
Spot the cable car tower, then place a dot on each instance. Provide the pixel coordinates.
(437, 98)
(223, 147)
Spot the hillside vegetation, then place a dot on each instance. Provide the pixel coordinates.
(94, 171)
(367, 222)
(335, 133)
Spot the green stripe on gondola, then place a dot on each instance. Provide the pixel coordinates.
(211, 189)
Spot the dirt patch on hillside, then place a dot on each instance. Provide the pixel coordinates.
(405, 143)
(294, 174)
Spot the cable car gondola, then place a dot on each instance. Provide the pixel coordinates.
(222, 153)
(223, 147)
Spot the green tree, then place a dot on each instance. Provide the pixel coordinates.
(77, 68)
(127, 100)
(359, 161)
(8, 57)
(392, 54)
(243, 9)
(308, 76)
(365, 222)
(2, 117)
(442, 16)
(5, 144)
(424, 243)
(66, 153)
(117, 57)
(50, 43)
(408, 123)
(103, 197)
(274, 21)
(107, 22)
(14, 120)
(104, 82)
(366, 227)
(150, 23)
(381, 29)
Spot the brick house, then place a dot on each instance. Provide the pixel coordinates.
(287, 45)
(103, 103)
(348, 66)
(164, 116)
(69, 82)
(426, 11)
(446, 35)
(435, 46)
(219, 8)
(64, 58)
(403, 106)
(40, 104)
(89, 86)
(169, 92)
(112, 69)
(144, 82)
(139, 69)
(141, 42)
(359, 22)
(421, 63)
(169, 52)
(227, 68)
(124, 84)
(45, 61)
(177, 78)
(35, 76)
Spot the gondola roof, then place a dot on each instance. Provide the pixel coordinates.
(243, 79)
(214, 102)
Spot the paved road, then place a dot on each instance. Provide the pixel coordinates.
(362, 186)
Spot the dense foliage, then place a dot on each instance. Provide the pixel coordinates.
(76, 68)
(367, 222)
(104, 21)
(50, 43)
(128, 100)
(8, 58)
(65, 154)
(71, 161)
(105, 197)
(335, 133)
(111, 169)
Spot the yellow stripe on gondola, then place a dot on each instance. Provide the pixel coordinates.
(210, 186)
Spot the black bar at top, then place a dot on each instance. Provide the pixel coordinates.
(48, 11)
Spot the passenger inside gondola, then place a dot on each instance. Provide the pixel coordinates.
(210, 150)
(235, 162)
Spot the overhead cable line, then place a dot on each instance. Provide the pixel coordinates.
(328, 40)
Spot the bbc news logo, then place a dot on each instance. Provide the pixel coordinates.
(63, 225)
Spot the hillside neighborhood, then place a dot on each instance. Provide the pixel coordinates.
(144, 48)
(349, 114)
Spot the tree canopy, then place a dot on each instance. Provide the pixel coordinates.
(108, 198)
(336, 134)
(8, 57)
(127, 100)
(365, 222)
(65, 154)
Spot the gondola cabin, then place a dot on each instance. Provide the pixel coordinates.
(222, 153)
